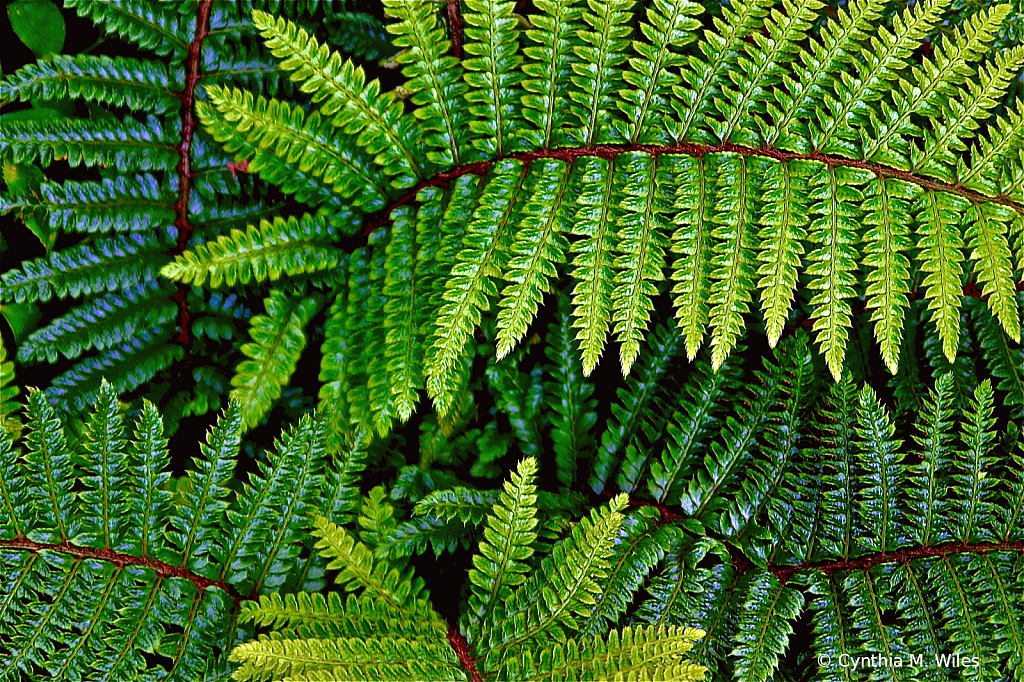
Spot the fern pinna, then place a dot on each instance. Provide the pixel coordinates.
(111, 573)
(710, 164)
(155, 185)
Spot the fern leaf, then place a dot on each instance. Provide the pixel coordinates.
(973, 519)
(887, 210)
(784, 219)
(306, 142)
(547, 68)
(834, 261)
(106, 475)
(51, 478)
(599, 54)
(492, 73)
(316, 615)
(641, 252)
(156, 28)
(986, 230)
(704, 78)
(880, 512)
(650, 75)
(434, 78)
(102, 323)
(505, 548)
(195, 521)
(470, 285)
(652, 652)
(931, 83)
(536, 247)
(693, 419)
(692, 240)
(150, 501)
(930, 505)
(573, 410)
(941, 255)
(406, 292)
(392, 658)
(140, 85)
(134, 203)
(358, 108)
(765, 626)
(759, 71)
(277, 341)
(106, 264)
(596, 214)
(286, 246)
(128, 145)
(732, 264)
(1005, 362)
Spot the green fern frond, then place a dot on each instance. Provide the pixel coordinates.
(287, 246)
(362, 110)
(505, 548)
(128, 146)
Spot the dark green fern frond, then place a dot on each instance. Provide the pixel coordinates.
(111, 573)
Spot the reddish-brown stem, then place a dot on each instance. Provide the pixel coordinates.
(455, 22)
(862, 563)
(899, 556)
(160, 568)
(462, 650)
(182, 223)
(610, 151)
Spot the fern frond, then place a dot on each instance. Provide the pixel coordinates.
(128, 145)
(140, 85)
(106, 264)
(887, 208)
(126, 204)
(986, 230)
(536, 248)
(467, 291)
(306, 142)
(834, 261)
(492, 73)
(435, 79)
(641, 254)
(731, 265)
(287, 246)
(784, 219)
(596, 74)
(506, 547)
(650, 75)
(596, 214)
(278, 339)
(638, 652)
(103, 323)
(547, 68)
(360, 109)
(573, 410)
(155, 28)
(765, 626)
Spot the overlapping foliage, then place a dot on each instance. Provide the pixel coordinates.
(785, 518)
(153, 184)
(518, 624)
(668, 161)
(111, 573)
